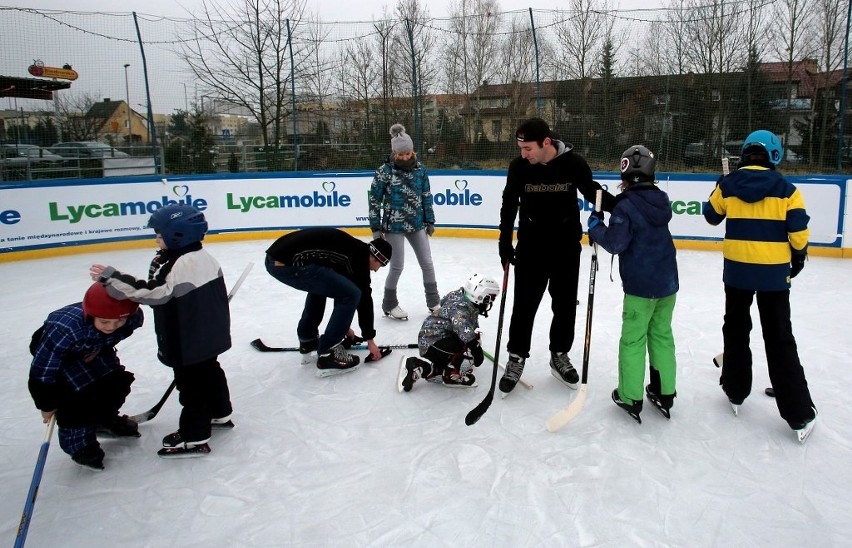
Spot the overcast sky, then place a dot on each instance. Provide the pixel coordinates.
(329, 10)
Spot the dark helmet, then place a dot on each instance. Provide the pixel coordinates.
(638, 165)
(97, 303)
(763, 142)
(180, 225)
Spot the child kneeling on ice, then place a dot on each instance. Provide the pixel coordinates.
(449, 334)
(76, 374)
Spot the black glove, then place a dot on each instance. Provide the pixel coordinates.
(476, 352)
(797, 264)
(507, 253)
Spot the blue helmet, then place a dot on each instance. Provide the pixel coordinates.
(180, 225)
(768, 141)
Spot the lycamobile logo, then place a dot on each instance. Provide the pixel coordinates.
(76, 213)
(464, 197)
(329, 198)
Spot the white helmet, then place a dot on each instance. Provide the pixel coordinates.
(482, 292)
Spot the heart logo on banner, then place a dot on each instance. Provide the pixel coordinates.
(329, 186)
(461, 184)
(180, 190)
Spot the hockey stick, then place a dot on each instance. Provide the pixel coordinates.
(259, 345)
(29, 505)
(490, 358)
(476, 413)
(151, 413)
(567, 414)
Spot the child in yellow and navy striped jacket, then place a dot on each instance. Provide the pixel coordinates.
(765, 245)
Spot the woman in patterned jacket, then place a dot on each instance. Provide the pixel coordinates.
(401, 209)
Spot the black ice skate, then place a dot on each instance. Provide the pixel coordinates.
(91, 456)
(514, 370)
(633, 409)
(561, 368)
(119, 427)
(663, 404)
(175, 447)
(336, 361)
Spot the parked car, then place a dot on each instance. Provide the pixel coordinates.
(13, 154)
(87, 149)
(20, 162)
(700, 153)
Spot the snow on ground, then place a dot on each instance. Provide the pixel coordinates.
(349, 461)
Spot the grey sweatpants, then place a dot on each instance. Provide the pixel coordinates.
(420, 244)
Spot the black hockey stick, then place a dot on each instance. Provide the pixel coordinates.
(151, 413)
(259, 345)
(567, 413)
(476, 413)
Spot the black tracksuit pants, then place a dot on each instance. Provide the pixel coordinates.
(785, 371)
(537, 270)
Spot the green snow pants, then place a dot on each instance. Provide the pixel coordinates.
(646, 323)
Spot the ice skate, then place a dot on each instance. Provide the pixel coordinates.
(410, 370)
(336, 361)
(804, 430)
(223, 423)
(454, 378)
(633, 409)
(663, 404)
(307, 349)
(396, 313)
(514, 370)
(119, 426)
(175, 447)
(561, 368)
(91, 456)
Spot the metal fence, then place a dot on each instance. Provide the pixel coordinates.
(227, 91)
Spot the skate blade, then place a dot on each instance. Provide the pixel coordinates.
(322, 373)
(184, 453)
(572, 386)
(400, 376)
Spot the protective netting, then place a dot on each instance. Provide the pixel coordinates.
(241, 89)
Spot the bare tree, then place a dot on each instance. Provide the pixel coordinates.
(75, 121)
(715, 47)
(792, 40)
(239, 53)
(472, 52)
(361, 72)
(580, 34)
(418, 73)
(829, 36)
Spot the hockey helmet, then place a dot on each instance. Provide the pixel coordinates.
(638, 165)
(180, 225)
(482, 291)
(765, 140)
(97, 303)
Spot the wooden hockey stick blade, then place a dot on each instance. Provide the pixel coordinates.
(567, 413)
(151, 413)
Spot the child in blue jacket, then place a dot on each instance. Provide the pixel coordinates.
(639, 234)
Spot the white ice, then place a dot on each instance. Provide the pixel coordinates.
(349, 461)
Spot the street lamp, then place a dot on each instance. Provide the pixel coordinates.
(127, 92)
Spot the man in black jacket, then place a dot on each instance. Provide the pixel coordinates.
(541, 189)
(328, 263)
